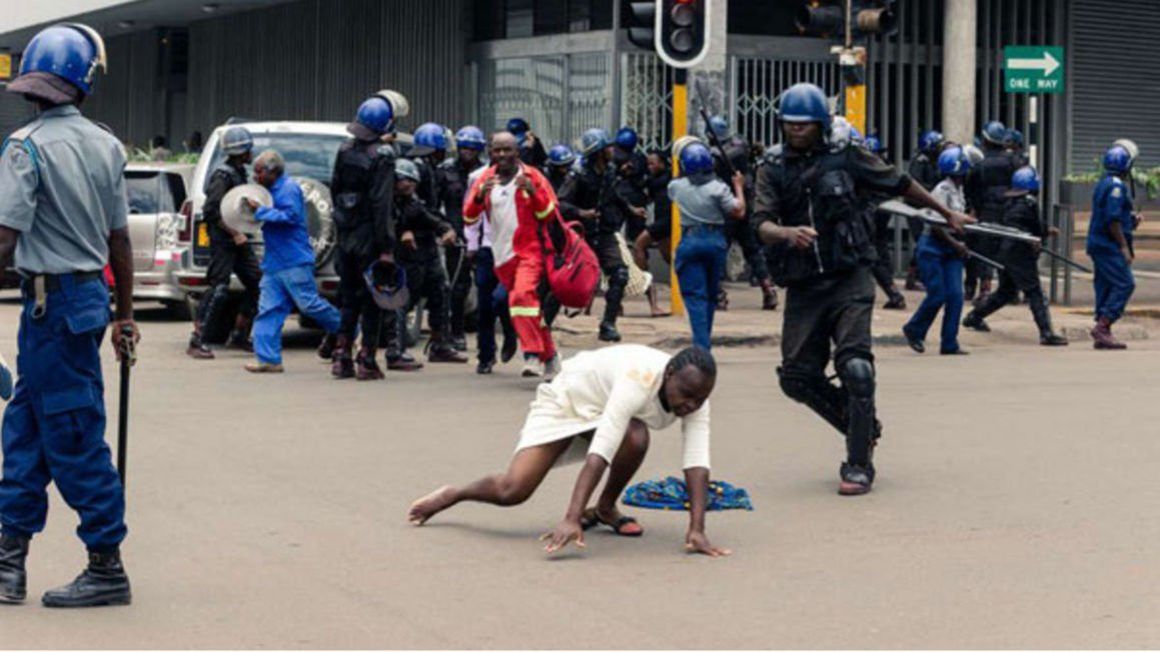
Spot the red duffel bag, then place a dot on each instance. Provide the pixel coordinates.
(572, 268)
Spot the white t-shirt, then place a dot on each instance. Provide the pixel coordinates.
(503, 221)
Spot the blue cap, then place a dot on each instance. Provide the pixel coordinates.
(1025, 178)
(804, 102)
(71, 51)
(429, 137)
(696, 158)
(470, 137)
(561, 155)
(953, 162)
(626, 138)
(719, 126)
(873, 143)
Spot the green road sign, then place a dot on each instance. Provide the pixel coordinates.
(1033, 69)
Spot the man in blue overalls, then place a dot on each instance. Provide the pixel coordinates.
(63, 216)
(1109, 242)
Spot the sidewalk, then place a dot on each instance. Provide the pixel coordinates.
(745, 324)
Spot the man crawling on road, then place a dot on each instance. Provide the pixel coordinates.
(599, 409)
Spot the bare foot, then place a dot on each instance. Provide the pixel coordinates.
(658, 312)
(423, 509)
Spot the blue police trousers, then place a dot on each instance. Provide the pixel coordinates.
(1114, 283)
(941, 271)
(281, 291)
(54, 428)
(700, 264)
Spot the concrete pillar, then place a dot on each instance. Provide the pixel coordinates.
(711, 75)
(959, 76)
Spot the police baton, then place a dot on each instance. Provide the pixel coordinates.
(128, 350)
(1067, 261)
(713, 136)
(986, 261)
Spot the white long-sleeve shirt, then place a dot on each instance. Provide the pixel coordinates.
(603, 390)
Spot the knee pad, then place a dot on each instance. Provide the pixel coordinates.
(858, 377)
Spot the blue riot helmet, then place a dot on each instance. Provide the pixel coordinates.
(696, 159)
(804, 102)
(1117, 159)
(374, 119)
(471, 137)
(1025, 178)
(627, 139)
(519, 128)
(561, 156)
(429, 138)
(929, 141)
(593, 141)
(719, 126)
(387, 283)
(406, 169)
(995, 132)
(237, 140)
(69, 51)
(873, 143)
(1014, 138)
(953, 162)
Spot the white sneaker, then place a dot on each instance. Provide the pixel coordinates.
(552, 368)
(532, 369)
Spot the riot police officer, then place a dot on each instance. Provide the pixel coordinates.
(736, 157)
(635, 179)
(561, 159)
(531, 149)
(230, 251)
(591, 191)
(1020, 260)
(923, 169)
(452, 182)
(809, 209)
(1109, 241)
(987, 188)
(363, 186)
(428, 152)
(63, 217)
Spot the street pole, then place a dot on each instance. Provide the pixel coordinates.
(852, 61)
(680, 129)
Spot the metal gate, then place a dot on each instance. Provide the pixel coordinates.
(646, 95)
(559, 95)
(755, 84)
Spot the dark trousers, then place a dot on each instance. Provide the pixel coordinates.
(942, 274)
(493, 304)
(612, 264)
(358, 306)
(882, 268)
(426, 279)
(54, 428)
(1114, 283)
(228, 259)
(459, 269)
(741, 232)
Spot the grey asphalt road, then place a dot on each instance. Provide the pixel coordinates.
(1015, 508)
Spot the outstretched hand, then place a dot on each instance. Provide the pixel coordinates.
(565, 532)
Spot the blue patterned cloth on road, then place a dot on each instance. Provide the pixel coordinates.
(671, 493)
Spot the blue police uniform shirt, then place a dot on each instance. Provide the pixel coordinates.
(62, 186)
(702, 203)
(284, 228)
(1111, 202)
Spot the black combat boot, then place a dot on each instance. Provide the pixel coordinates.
(857, 479)
(976, 323)
(197, 348)
(13, 579)
(326, 348)
(1039, 310)
(608, 332)
(103, 583)
(240, 340)
(342, 365)
(896, 300)
(768, 295)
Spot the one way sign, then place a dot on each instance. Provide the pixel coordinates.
(1033, 69)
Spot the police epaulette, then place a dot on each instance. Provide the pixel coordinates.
(774, 154)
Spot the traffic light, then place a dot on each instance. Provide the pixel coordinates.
(828, 18)
(678, 30)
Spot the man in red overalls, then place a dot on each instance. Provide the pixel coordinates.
(516, 199)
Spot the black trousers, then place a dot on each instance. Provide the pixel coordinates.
(460, 288)
(228, 259)
(741, 232)
(883, 237)
(830, 314)
(358, 306)
(426, 279)
(612, 264)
